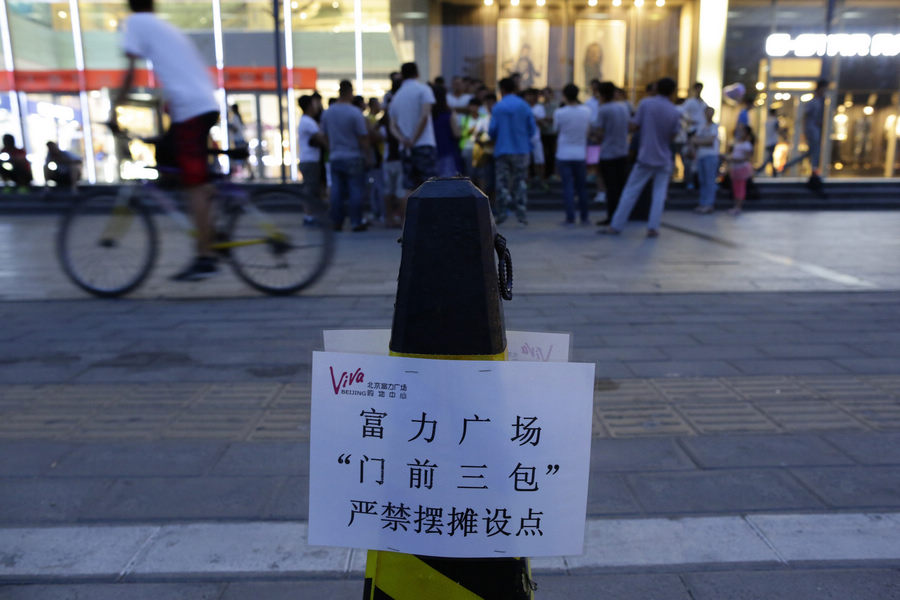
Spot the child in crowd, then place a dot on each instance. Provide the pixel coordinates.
(740, 167)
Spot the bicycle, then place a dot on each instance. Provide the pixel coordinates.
(275, 240)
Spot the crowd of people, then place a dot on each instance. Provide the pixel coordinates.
(61, 167)
(370, 155)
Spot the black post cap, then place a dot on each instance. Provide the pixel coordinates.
(448, 296)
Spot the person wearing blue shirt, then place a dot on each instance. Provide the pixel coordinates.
(512, 127)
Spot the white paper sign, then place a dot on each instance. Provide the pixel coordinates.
(449, 458)
(521, 345)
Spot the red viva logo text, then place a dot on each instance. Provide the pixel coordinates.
(346, 379)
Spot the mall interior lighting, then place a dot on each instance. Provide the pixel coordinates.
(514, 2)
(868, 110)
(541, 2)
(62, 14)
(806, 97)
(795, 85)
(760, 86)
(638, 3)
(592, 3)
(617, 2)
(660, 3)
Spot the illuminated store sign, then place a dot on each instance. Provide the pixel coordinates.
(837, 44)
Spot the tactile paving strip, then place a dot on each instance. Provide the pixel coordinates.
(275, 411)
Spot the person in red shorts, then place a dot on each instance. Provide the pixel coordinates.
(189, 94)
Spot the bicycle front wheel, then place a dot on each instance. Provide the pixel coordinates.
(278, 243)
(107, 244)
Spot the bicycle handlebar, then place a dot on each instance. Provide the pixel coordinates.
(241, 153)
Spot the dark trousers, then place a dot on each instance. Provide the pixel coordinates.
(573, 175)
(548, 140)
(615, 173)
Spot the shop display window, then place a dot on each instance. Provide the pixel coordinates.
(778, 50)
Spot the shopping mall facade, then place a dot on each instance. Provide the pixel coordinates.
(62, 62)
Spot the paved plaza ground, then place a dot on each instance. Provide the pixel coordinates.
(746, 423)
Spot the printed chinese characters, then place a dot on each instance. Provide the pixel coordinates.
(463, 521)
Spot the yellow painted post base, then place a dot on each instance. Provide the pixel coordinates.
(394, 576)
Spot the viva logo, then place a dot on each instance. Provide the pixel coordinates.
(346, 379)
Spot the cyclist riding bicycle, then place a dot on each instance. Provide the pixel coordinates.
(189, 93)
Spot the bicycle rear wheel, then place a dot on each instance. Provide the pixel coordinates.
(106, 244)
(279, 243)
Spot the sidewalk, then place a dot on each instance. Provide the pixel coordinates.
(748, 387)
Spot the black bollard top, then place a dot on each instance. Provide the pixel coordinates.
(448, 296)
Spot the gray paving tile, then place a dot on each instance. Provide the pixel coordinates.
(617, 353)
(608, 494)
(871, 366)
(809, 351)
(30, 458)
(631, 586)
(650, 454)
(781, 366)
(683, 368)
(711, 352)
(47, 500)
(859, 584)
(859, 487)
(32, 373)
(612, 370)
(647, 339)
(719, 491)
(114, 591)
(184, 498)
(264, 458)
(882, 350)
(291, 501)
(869, 448)
(338, 589)
(140, 459)
(729, 451)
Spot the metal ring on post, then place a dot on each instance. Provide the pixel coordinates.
(504, 267)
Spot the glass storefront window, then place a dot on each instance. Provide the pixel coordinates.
(567, 42)
(253, 15)
(101, 23)
(247, 107)
(41, 35)
(554, 41)
(51, 118)
(270, 144)
(779, 73)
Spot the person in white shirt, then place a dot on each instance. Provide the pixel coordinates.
(537, 148)
(705, 143)
(188, 90)
(693, 112)
(410, 112)
(572, 121)
(772, 129)
(458, 99)
(309, 143)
